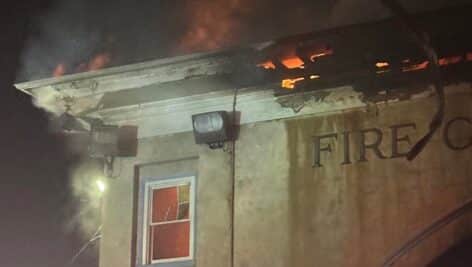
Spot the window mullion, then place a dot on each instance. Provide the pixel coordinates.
(169, 222)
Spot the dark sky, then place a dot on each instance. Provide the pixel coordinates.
(74, 33)
(35, 195)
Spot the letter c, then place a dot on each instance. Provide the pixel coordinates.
(446, 136)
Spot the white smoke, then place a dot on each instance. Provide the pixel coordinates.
(88, 199)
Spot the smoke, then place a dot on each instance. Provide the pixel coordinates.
(360, 11)
(85, 212)
(59, 37)
(84, 35)
(217, 24)
(71, 36)
(77, 36)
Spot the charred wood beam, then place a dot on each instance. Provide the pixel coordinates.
(423, 41)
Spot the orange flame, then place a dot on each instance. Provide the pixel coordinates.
(382, 64)
(292, 62)
(415, 67)
(60, 70)
(324, 52)
(99, 61)
(213, 24)
(382, 71)
(267, 65)
(290, 83)
(450, 60)
(469, 56)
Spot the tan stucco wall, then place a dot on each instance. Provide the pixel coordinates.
(291, 214)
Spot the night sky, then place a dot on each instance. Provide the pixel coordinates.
(35, 168)
(35, 196)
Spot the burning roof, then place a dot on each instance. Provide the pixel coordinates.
(373, 55)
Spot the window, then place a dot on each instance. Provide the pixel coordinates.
(169, 220)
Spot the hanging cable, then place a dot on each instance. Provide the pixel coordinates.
(430, 230)
(96, 236)
(423, 41)
(233, 173)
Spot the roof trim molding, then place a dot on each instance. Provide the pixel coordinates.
(174, 115)
(134, 75)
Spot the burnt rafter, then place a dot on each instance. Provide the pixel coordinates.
(374, 51)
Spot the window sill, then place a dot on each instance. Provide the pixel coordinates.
(188, 263)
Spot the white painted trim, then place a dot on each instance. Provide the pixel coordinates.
(159, 184)
(174, 115)
(135, 75)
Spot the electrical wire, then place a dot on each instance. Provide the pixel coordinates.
(423, 41)
(233, 173)
(433, 228)
(95, 236)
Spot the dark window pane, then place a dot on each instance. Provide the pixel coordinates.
(170, 241)
(183, 211)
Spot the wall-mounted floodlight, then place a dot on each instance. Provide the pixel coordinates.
(212, 128)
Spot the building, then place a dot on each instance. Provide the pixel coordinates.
(318, 174)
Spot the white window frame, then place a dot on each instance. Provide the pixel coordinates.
(159, 184)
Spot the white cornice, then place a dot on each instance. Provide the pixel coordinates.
(174, 115)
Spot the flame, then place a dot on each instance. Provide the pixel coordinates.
(450, 60)
(382, 71)
(60, 70)
(321, 53)
(469, 56)
(267, 65)
(444, 61)
(293, 62)
(290, 83)
(99, 61)
(415, 67)
(382, 64)
(213, 24)
(82, 67)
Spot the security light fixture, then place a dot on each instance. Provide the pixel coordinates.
(212, 128)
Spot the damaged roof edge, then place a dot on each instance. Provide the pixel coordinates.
(119, 70)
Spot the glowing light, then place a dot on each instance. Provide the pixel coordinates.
(293, 62)
(267, 65)
(290, 83)
(101, 185)
(382, 71)
(99, 61)
(469, 56)
(415, 67)
(450, 60)
(382, 64)
(321, 53)
(313, 77)
(59, 70)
